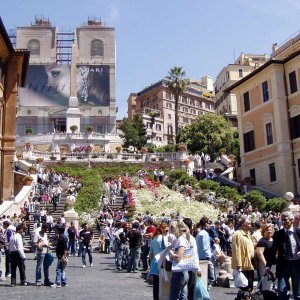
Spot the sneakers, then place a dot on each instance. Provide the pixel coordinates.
(13, 285)
(8, 275)
(91, 264)
(24, 283)
(55, 286)
(136, 271)
(38, 284)
(83, 266)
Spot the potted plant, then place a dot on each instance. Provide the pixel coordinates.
(32, 170)
(95, 155)
(28, 131)
(182, 147)
(63, 149)
(63, 158)
(73, 128)
(144, 150)
(39, 160)
(27, 180)
(118, 148)
(89, 129)
(109, 156)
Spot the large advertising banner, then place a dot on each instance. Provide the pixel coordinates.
(93, 85)
(46, 85)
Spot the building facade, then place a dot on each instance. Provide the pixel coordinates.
(13, 67)
(268, 104)
(157, 106)
(226, 103)
(71, 79)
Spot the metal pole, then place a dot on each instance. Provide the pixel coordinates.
(89, 162)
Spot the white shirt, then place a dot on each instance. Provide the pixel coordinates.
(42, 239)
(106, 233)
(16, 244)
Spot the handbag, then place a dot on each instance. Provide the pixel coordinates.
(189, 261)
(167, 265)
(200, 292)
(48, 260)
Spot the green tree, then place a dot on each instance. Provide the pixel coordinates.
(209, 133)
(133, 132)
(257, 199)
(177, 83)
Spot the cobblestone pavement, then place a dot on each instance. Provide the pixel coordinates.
(101, 281)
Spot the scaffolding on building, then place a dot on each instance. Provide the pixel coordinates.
(64, 43)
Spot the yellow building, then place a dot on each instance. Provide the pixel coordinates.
(268, 105)
(13, 66)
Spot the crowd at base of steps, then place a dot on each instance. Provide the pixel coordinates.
(160, 247)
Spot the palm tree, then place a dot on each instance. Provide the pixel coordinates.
(177, 83)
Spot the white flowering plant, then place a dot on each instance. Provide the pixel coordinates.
(163, 200)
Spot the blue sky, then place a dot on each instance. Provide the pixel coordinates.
(153, 36)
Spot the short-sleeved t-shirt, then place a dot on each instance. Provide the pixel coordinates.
(42, 239)
(181, 242)
(267, 244)
(87, 236)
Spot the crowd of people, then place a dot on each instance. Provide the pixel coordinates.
(251, 239)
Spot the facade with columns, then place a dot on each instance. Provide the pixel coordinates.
(71, 80)
(13, 67)
(268, 105)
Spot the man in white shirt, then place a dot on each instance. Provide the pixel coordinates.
(17, 256)
(41, 243)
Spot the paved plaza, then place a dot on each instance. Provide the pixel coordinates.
(101, 281)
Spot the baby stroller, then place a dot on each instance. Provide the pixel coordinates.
(256, 294)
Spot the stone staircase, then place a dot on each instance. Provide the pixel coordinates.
(117, 205)
(55, 214)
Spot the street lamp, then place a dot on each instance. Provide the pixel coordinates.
(89, 148)
(12, 194)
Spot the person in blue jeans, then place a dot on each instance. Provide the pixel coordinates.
(41, 243)
(179, 280)
(8, 234)
(62, 258)
(87, 237)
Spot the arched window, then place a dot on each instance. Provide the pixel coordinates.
(34, 47)
(97, 48)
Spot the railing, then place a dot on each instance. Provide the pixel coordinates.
(104, 156)
(50, 137)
